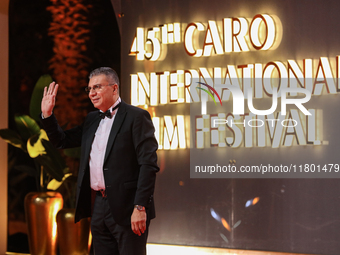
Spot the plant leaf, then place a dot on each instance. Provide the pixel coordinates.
(26, 126)
(54, 184)
(46, 155)
(50, 167)
(54, 154)
(37, 95)
(35, 146)
(12, 137)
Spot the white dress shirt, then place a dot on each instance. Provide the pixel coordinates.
(98, 149)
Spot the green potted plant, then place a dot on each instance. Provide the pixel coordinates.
(50, 172)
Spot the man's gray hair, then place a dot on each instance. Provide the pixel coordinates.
(108, 72)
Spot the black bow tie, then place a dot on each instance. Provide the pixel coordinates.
(108, 112)
(105, 114)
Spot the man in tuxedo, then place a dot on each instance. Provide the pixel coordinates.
(118, 165)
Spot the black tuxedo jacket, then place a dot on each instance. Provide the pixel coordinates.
(130, 162)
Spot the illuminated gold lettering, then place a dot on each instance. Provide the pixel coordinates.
(246, 76)
(180, 86)
(311, 127)
(228, 35)
(258, 80)
(248, 130)
(232, 35)
(199, 131)
(275, 129)
(164, 87)
(174, 134)
(231, 78)
(146, 90)
(262, 37)
(154, 85)
(143, 89)
(324, 77)
(171, 33)
(191, 38)
(308, 72)
(236, 140)
(177, 86)
(281, 77)
(298, 77)
(169, 134)
(254, 129)
(134, 89)
(206, 78)
(293, 129)
(141, 93)
(239, 32)
(153, 45)
(157, 124)
(181, 131)
(315, 127)
(221, 130)
(212, 40)
(214, 133)
(191, 93)
(173, 87)
(137, 47)
(219, 83)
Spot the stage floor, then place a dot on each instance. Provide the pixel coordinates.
(157, 249)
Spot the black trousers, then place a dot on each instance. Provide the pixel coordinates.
(109, 238)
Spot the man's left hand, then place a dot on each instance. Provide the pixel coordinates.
(138, 221)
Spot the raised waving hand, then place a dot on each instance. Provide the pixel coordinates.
(48, 100)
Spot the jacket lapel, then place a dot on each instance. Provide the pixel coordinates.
(117, 123)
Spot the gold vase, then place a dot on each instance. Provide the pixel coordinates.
(41, 209)
(73, 238)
